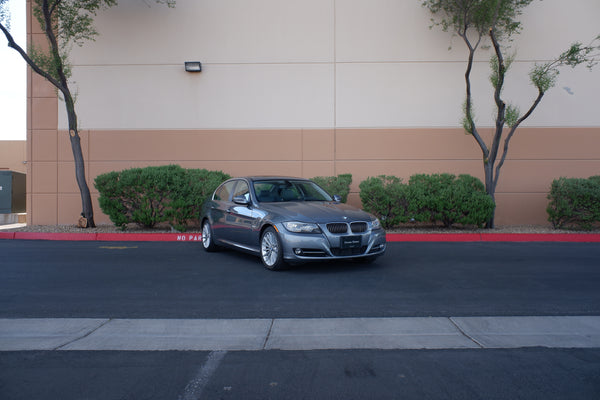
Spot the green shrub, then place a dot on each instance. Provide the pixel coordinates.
(387, 198)
(574, 203)
(437, 198)
(152, 195)
(447, 199)
(335, 184)
(427, 193)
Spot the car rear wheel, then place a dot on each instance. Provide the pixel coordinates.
(207, 237)
(271, 252)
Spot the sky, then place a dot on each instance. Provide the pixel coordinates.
(13, 78)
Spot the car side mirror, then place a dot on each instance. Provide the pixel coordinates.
(241, 200)
(337, 198)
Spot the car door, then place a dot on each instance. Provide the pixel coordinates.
(241, 217)
(220, 205)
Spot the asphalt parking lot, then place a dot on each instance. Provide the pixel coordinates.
(44, 279)
(339, 330)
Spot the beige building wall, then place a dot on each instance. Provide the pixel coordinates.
(13, 155)
(312, 87)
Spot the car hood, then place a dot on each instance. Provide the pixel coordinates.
(315, 211)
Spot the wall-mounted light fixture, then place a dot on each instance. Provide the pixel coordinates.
(193, 66)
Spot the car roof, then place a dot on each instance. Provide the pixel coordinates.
(270, 177)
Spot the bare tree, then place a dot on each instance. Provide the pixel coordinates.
(475, 21)
(65, 23)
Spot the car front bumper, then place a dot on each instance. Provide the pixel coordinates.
(323, 246)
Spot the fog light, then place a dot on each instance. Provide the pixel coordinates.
(298, 252)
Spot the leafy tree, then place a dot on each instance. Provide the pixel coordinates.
(65, 23)
(476, 21)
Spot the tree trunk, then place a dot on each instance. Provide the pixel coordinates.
(490, 188)
(86, 199)
(87, 211)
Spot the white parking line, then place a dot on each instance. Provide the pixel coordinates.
(194, 388)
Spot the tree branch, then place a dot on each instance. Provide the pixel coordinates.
(12, 44)
(60, 71)
(54, 6)
(513, 130)
(468, 100)
(500, 105)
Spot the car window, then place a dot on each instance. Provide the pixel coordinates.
(242, 190)
(313, 192)
(288, 190)
(266, 191)
(223, 192)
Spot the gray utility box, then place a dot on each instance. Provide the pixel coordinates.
(12, 192)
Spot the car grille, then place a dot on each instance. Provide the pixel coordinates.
(348, 252)
(358, 227)
(342, 227)
(337, 227)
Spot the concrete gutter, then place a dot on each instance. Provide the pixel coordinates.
(299, 334)
(391, 237)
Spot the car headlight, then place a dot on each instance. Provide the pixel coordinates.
(302, 227)
(375, 224)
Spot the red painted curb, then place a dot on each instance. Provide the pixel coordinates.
(150, 237)
(540, 237)
(433, 237)
(105, 237)
(494, 237)
(55, 236)
(391, 237)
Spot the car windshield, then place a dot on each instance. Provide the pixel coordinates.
(278, 190)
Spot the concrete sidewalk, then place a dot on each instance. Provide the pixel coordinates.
(299, 334)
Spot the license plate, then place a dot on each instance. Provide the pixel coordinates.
(350, 242)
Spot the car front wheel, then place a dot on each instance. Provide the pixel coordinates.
(207, 237)
(271, 252)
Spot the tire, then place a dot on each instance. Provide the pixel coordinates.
(271, 252)
(208, 242)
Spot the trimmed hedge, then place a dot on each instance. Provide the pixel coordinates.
(335, 184)
(437, 198)
(450, 200)
(387, 198)
(152, 195)
(574, 203)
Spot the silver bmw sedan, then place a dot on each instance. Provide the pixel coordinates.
(288, 220)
